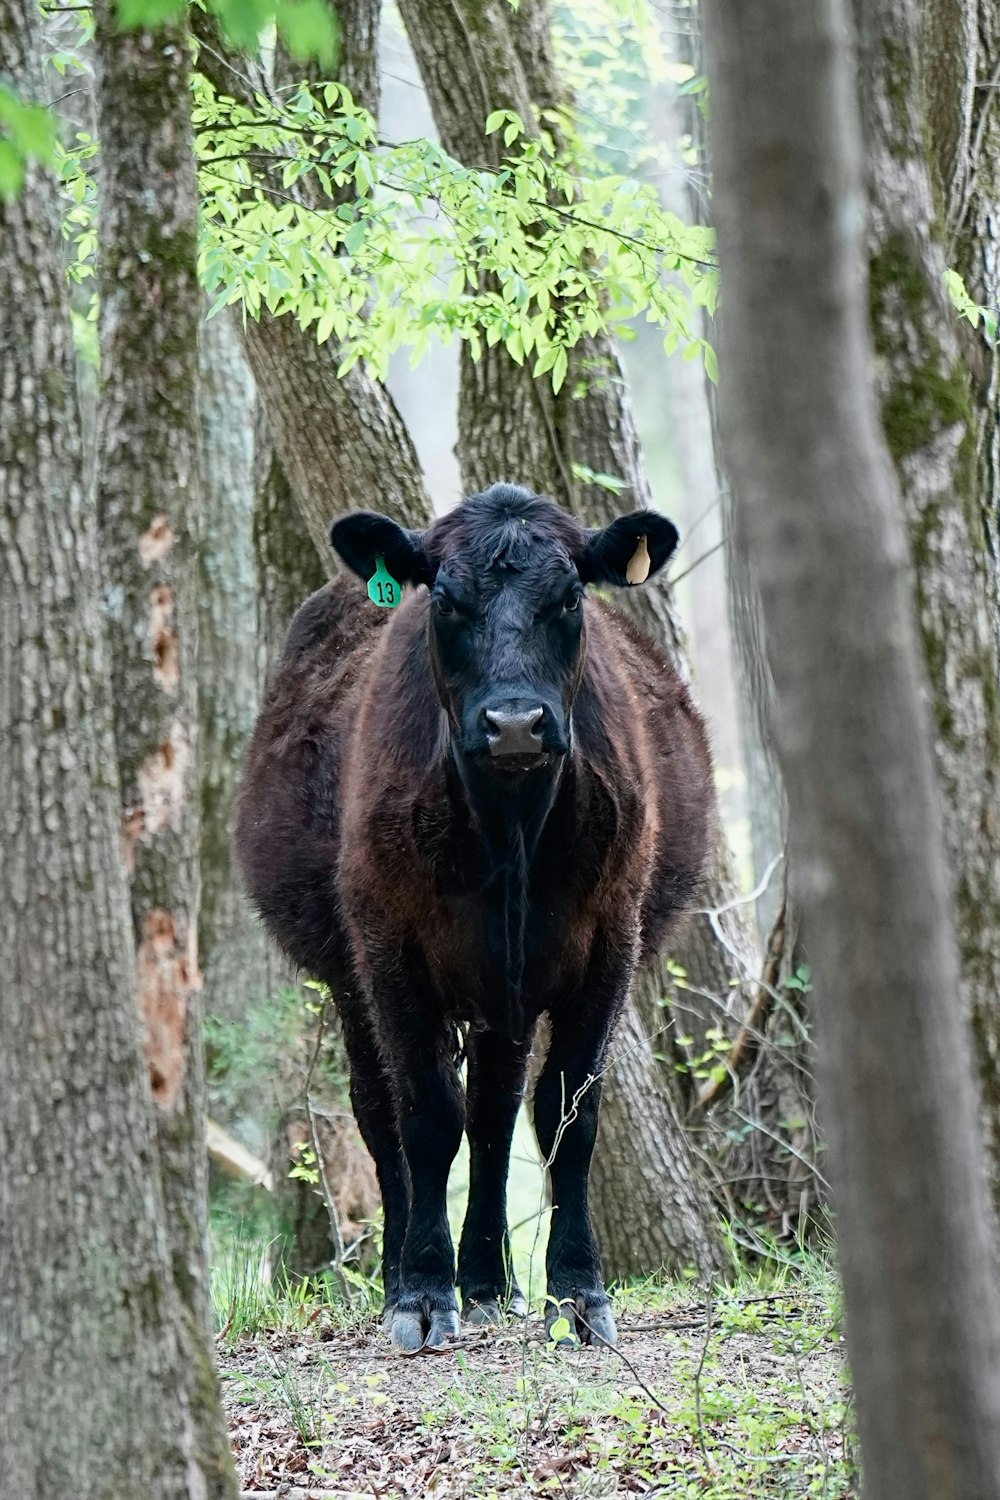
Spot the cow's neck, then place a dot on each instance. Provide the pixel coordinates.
(511, 813)
(509, 809)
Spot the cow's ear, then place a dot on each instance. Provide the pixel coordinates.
(364, 535)
(628, 551)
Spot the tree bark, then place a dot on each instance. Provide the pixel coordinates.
(512, 427)
(287, 571)
(97, 1398)
(147, 497)
(920, 65)
(820, 516)
(232, 945)
(772, 1169)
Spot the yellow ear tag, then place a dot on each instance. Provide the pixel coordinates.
(639, 563)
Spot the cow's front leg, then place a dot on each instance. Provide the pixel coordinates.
(430, 1108)
(566, 1106)
(496, 1085)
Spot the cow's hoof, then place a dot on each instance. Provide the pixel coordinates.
(444, 1328)
(407, 1331)
(481, 1311)
(411, 1331)
(590, 1322)
(595, 1324)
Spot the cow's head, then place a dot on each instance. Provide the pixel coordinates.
(507, 572)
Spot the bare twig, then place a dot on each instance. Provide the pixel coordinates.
(750, 1034)
(698, 1374)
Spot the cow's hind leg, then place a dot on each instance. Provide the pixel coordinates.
(375, 1112)
(430, 1107)
(495, 1088)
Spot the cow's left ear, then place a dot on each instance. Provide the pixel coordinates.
(364, 535)
(628, 551)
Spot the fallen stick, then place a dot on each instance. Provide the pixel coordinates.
(235, 1159)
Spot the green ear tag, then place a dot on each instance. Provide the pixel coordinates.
(382, 587)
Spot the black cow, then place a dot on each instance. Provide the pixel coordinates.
(487, 804)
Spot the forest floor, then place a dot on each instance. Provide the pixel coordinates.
(736, 1396)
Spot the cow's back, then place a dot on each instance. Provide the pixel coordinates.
(287, 834)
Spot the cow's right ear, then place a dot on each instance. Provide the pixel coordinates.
(363, 536)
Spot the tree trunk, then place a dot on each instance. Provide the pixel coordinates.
(646, 1196)
(511, 426)
(97, 1398)
(772, 1170)
(232, 945)
(820, 516)
(287, 570)
(147, 497)
(941, 429)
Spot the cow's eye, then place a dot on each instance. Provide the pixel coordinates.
(444, 607)
(571, 603)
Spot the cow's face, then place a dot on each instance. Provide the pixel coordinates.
(507, 632)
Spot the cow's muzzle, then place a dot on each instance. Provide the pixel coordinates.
(514, 731)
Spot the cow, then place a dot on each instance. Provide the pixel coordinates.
(485, 805)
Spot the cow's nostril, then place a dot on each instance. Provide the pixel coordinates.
(513, 732)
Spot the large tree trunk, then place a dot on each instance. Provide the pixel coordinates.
(512, 427)
(96, 1394)
(920, 66)
(147, 496)
(288, 570)
(232, 945)
(821, 519)
(773, 1169)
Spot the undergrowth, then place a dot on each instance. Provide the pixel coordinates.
(734, 1392)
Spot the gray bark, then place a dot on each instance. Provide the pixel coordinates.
(938, 391)
(147, 498)
(288, 570)
(512, 427)
(772, 1170)
(233, 949)
(821, 519)
(96, 1395)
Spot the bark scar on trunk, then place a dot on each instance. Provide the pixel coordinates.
(156, 541)
(166, 657)
(162, 793)
(168, 973)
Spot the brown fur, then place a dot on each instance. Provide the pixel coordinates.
(336, 779)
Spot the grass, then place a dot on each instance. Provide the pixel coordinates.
(733, 1392)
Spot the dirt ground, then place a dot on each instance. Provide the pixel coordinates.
(737, 1400)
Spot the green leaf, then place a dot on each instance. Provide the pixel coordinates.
(308, 29)
(559, 1330)
(354, 238)
(241, 20)
(133, 13)
(28, 131)
(494, 121)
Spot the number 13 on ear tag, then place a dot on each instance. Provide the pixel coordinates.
(382, 587)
